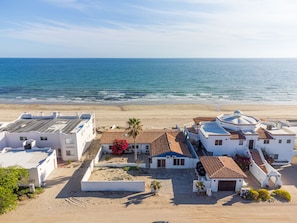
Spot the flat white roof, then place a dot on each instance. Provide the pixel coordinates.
(28, 159)
(47, 124)
(212, 128)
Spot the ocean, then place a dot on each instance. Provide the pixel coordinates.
(148, 81)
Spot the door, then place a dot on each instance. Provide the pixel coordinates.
(227, 185)
(161, 163)
(251, 144)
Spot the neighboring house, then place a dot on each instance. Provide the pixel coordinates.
(234, 134)
(166, 149)
(69, 135)
(221, 173)
(40, 162)
(231, 134)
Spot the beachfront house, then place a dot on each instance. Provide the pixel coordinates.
(40, 162)
(264, 142)
(68, 135)
(162, 148)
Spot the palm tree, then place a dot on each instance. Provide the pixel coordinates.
(156, 185)
(134, 129)
(200, 186)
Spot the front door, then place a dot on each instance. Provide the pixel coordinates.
(161, 163)
(251, 144)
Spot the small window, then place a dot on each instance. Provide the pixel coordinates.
(43, 138)
(23, 138)
(218, 142)
(69, 141)
(69, 153)
(178, 162)
(289, 141)
(110, 147)
(136, 146)
(275, 156)
(240, 142)
(279, 141)
(266, 141)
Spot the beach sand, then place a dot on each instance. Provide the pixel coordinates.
(151, 116)
(59, 204)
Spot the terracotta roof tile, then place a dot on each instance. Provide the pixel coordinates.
(263, 134)
(221, 167)
(197, 120)
(161, 141)
(235, 135)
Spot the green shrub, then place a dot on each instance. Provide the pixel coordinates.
(39, 190)
(107, 158)
(263, 195)
(282, 194)
(253, 195)
(126, 168)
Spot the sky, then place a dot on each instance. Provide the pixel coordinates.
(148, 28)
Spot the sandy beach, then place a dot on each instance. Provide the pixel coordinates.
(151, 116)
(60, 204)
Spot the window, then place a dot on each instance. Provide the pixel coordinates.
(43, 138)
(266, 141)
(218, 142)
(279, 141)
(69, 153)
(110, 147)
(178, 162)
(275, 156)
(289, 141)
(136, 146)
(69, 141)
(23, 138)
(240, 142)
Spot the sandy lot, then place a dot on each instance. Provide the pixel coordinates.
(64, 202)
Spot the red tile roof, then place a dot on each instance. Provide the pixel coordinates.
(263, 134)
(218, 167)
(197, 120)
(161, 141)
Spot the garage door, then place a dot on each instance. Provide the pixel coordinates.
(227, 185)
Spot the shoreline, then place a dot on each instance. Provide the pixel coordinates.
(151, 115)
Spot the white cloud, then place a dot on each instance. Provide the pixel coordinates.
(243, 29)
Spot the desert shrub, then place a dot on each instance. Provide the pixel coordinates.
(126, 168)
(282, 194)
(107, 158)
(253, 195)
(263, 195)
(39, 190)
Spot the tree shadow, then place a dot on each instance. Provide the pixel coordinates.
(138, 199)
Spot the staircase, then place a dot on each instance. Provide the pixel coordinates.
(257, 158)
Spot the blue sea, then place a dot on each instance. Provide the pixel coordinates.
(147, 81)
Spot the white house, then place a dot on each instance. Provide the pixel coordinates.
(69, 135)
(40, 162)
(231, 134)
(165, 149)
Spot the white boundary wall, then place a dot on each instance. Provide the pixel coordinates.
(86, 185)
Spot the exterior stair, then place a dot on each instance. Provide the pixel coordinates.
(257, 158)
